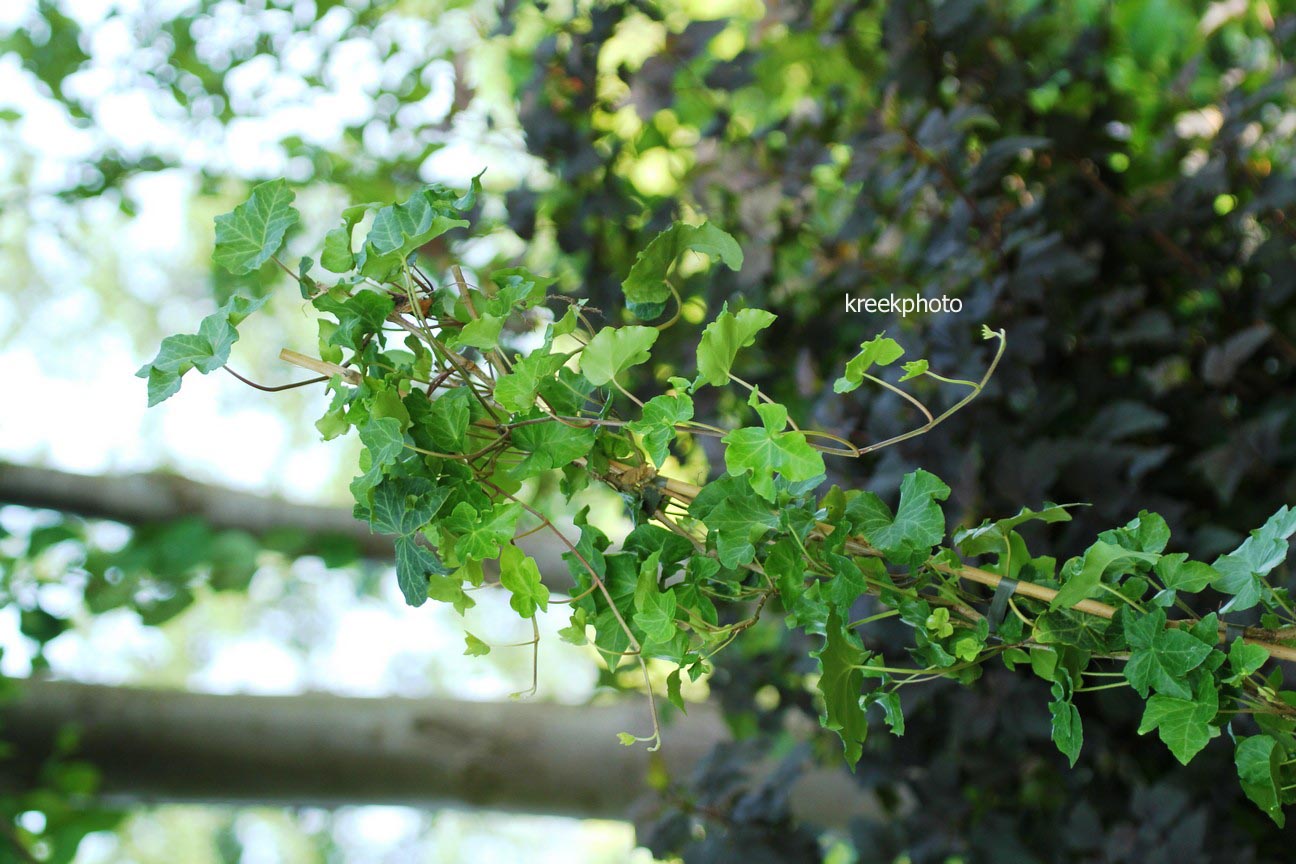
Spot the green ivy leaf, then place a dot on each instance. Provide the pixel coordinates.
(878, 351)
(358, 315)
(1098, 560)
(645, 288)
(447, 418)
(480, 536)
(1183, 724)
(399, 229)
(762, 451)
(520, 575)
(656, 616)
(990, 536)
(1161, 657)
(735, 516)
(842, 684)
(913, 369)
(548, 446)
(337, 256)
(892, 713)
(207, 350)
(722, 340)
(657, 423)
(475, 647)
(1177, 573)
(248, 235)
(574, 633)
(918, 523)
(614, 350)
(938, 623)
(1259, 761)
(482, 333)
(1068, 730)
(382, 436)
(403, 505)
(414, 565)
(517, 390)
(383, 439)
(1244, 659)
(1242, 572)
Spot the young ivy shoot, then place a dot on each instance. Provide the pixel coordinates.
(457, 423)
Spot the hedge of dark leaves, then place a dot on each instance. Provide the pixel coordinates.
(1110, 183)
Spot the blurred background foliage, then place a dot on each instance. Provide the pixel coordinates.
(1111, 182)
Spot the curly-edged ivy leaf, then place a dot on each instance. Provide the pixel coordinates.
(548, 446)
(842, 683)
(1146, 532)
(468, 200)
(399, 229)
(614, 350)
(1068, 731)
(337, 256)
(480, 535)
(658, 421)
(1259, 763)
(735, 517)
(415, 564)
(645, 288)
(918, 523)
(403, 505)
(1242, 572)
(913, 369)
(878, 351)
(517, 390)
(357, 315)
(482, 333)
(762, 451)
(722, 340)
(990, 536)
(206, 350)
(248, 235)
(520, 575)
(1098, 559)
(1161, 657)
(474, 646)
(1183, 724)
(892, 712)
(574, 633)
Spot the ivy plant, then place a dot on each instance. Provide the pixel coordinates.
(458, 422)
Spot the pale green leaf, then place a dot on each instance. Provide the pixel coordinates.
(247, 236)
(722, 340)
(614, 350)
(645, 288)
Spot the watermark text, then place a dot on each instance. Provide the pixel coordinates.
(903, 305)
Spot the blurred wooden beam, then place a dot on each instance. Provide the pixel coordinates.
(322, 750)
(141, 499)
